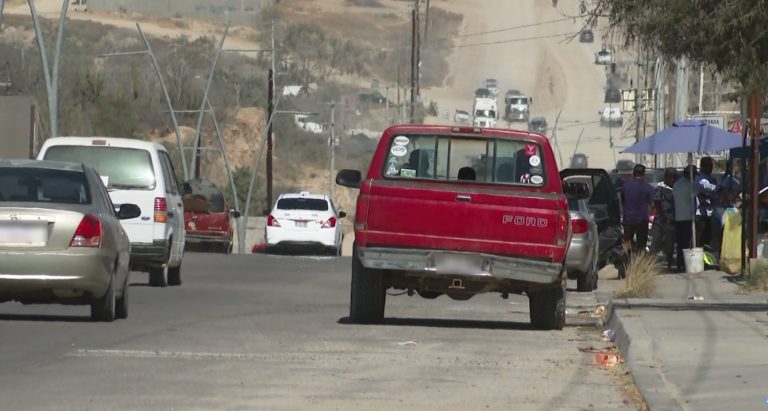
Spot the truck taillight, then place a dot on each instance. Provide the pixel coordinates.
(88, 232)
(272, 221)
(562, 227)
(330, 223)
(161, 210)
(579, 225)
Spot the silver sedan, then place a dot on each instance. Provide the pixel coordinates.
(581, 261)
(61, 240)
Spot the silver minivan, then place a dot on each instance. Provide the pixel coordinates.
(138, 172)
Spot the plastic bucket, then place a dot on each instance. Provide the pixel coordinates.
(694, 260)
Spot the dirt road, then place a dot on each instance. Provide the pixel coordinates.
(557, 71)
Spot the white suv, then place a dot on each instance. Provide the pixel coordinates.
(141, 173)
(304, 220)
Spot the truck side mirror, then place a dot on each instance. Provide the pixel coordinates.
(349, 178)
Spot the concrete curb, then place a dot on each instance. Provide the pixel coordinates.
(636, 349)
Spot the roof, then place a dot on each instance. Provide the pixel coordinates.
(110, 141)
(44, 164)
(304, 194)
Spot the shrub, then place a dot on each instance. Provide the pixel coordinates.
(757, 279)
(641, 277)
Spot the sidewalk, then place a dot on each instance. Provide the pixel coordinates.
(708, 353)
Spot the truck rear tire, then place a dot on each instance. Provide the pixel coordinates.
(547, 308)
(368, 294)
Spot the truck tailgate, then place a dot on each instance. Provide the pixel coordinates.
(495, 220)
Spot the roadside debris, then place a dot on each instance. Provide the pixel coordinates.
(609, 335)
(696, 297)
(600, 310)
(606, 359)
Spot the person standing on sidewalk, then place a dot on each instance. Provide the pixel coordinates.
(637, 196)
(683, 196)
(664, 223)
(707, 220)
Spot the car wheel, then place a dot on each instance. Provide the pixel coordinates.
(368, 294)
(547, 308)
(588, 281)
(174, 275)
(158, 276)
(121, 307)
(103, 309)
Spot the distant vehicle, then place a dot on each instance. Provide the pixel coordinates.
(483, 92)
(461, 117)
(538, 125)
(208, 217)
(302, 121)
(139, 172)
(603, 57)
(492, 85)
(624, 165)
(304, 221)
(61, 240)
(485, 112)
(612, 95)
(513, 92)
(517, 107)
(579, 160)
(586, 36)
(371, 97)
(611, 116)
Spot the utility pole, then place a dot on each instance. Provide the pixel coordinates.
(414, 31)
(755, 113)
(418, 50)
(270, 110)
(638, 100)
(426, 22)
(681, 93)
(333, 146)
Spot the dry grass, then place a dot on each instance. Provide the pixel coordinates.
(641, 277)
(757, 279)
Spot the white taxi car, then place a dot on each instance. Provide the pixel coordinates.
(304, 221)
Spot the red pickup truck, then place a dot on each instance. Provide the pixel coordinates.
(460, 211)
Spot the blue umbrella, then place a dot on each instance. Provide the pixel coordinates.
(687, 136)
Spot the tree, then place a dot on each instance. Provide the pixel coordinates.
(730, 35)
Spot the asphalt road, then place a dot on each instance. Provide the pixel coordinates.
(270, 333)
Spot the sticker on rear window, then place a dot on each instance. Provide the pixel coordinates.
(392, 170)
(525, 178)
(537, 179)
(535, 170)
(530, 149)
(534, 160)
(402, 140)
(398, 151)
(407, 172)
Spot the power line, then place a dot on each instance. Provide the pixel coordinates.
(524, 26)
(488, 43)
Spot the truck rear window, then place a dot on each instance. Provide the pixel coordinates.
(457, 158)
(127, 168)
(313, 204)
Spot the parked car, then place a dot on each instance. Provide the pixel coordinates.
(139, 172)
(208, 217)
(611, 116)
(579, 160)
(304, 221)
(492, 85)
(624, 165)
(417, 229)
(538, 125)
(604, 207)
(612, 95)
(483, 92)
(371, 97)
(586, 36)
(61, 240)
(462, 117)
(581, 261)
(603, 57)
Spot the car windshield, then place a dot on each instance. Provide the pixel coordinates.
(518, 100)
(127, 168)
(485, 113)
(37, 185)
(298, 203)
(453, 158)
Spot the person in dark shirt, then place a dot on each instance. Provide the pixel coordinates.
(637, 196)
